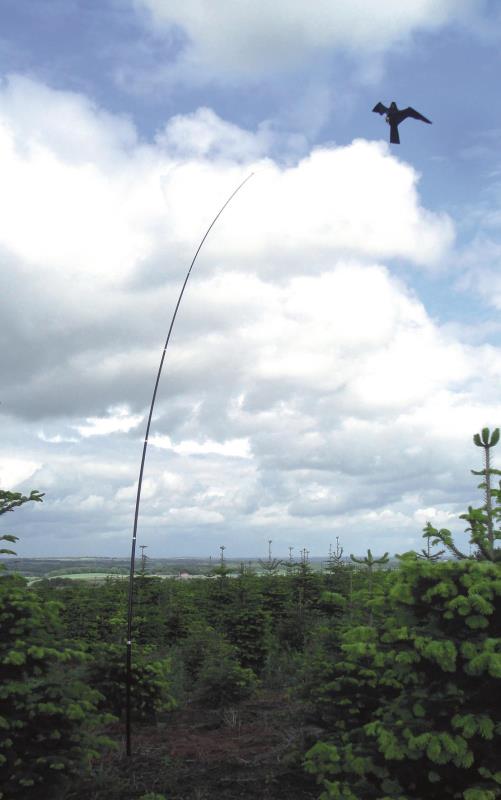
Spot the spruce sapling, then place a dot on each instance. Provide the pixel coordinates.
(482, 520)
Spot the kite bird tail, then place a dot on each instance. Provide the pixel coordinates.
(394, 137)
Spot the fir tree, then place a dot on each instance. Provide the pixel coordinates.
(49, 724)
(370, 562)
(412, 710)
(482, 521)
(410, 700)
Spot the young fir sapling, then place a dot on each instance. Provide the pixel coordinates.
(370, 562)
(410, 704)
(335, 559)
(482, 521)
(427, 555)
(272, 564)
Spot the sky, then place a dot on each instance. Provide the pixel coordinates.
(339, 342)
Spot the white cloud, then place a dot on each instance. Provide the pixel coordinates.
(239, 38)
(355, 200)
(199, 516)
(14, 471)
(56, 439)
(118, 419)
(110, 237)
(204, 134)
(438, 517)
(238, 448)
(96, 218)
(92, 503)
(96, 135)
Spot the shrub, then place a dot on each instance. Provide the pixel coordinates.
(151, 680)
(49, 722)
(223, 682)
(412, 711)
(211, 665)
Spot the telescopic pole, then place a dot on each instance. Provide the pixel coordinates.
(128, 677)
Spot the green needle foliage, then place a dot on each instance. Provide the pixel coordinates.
(370, 562)
(409, 703)
(486, 442)
(48, 720)
(151, 680)
(49, 724)
(412, 711)
(428, 555)
(11, 500)
(8, 502)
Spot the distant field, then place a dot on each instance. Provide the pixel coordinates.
(101, 568)
(96, 576)
(86, 576)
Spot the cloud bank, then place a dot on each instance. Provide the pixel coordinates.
(307, 392)
(251, 38)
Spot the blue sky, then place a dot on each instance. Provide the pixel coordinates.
(340, 342)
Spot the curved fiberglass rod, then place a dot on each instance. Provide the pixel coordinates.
(140, 481)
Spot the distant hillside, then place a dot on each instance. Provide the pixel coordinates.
(84, 565)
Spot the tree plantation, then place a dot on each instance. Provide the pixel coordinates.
(365, 681)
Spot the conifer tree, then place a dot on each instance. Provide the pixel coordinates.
(335, 557)
(335, 570)
(411, 701)
(271, 565)
(49, 723)
(482, 521)
(370, 562)
(428, 555)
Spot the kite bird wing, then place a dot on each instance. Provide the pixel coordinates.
(379, 108)
(411, 112)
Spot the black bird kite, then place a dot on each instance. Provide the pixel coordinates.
(394, 116)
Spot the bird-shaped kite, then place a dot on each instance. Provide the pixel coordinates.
(394, 116)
